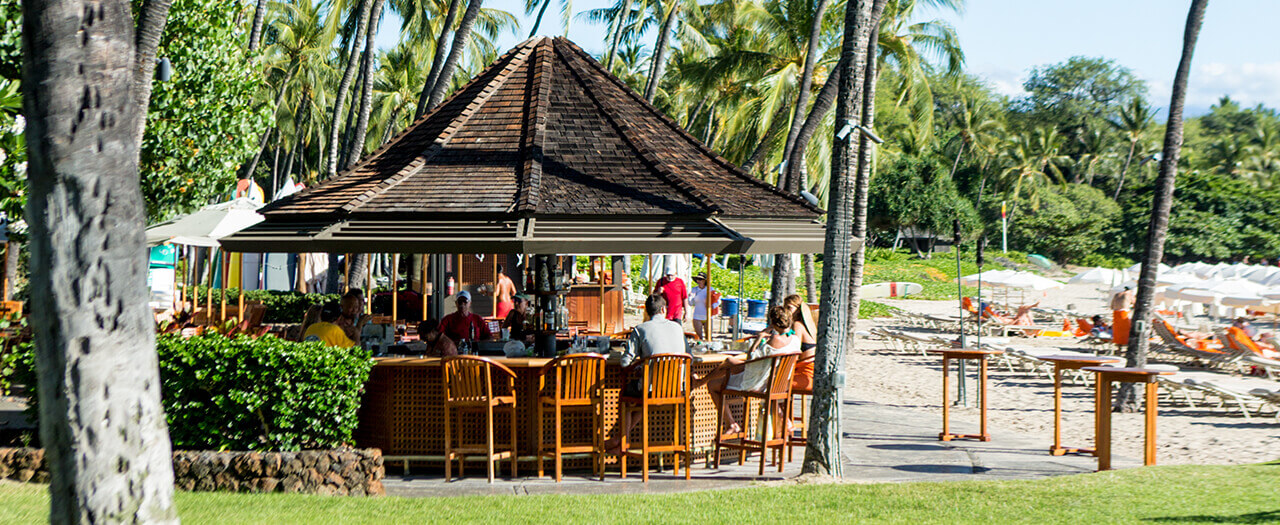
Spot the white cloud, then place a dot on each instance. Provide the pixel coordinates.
(1248, 84)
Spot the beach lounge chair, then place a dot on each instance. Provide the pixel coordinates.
(1270, 366)
(1230, 391)
(1175, 345)
(1271, 395)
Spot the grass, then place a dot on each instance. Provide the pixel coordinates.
(1178, 494)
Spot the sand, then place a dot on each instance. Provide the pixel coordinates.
(1024, 403)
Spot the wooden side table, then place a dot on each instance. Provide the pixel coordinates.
(964, 353)
(1102, 409)
(1060, 363)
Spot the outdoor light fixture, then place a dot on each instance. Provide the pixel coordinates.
(844, 132)
(870, 134)
(782, 166)
(809, 197)
(164, 69)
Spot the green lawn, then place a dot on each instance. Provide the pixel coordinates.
(1190, 494)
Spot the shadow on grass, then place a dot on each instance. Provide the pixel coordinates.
(1253, 517)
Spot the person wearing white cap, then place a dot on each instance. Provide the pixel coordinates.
(673, 289)
(463, 325)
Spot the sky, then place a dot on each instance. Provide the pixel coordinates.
(1003, 40)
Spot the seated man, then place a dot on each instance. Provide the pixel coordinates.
(463, 325)
(434, 343)
(658, 335)
(326, 331)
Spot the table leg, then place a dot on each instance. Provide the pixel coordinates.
(946, 403)
(982, 387)
(1103, 433)
(1149, 458)
(1057, 411)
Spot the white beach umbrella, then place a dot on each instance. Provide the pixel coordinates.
(1177, 278)
(1260, 274)
(1106, 276)
(1137, 268)
(1030, 281)
(1270, 293)
(208, 224)
(989, 277)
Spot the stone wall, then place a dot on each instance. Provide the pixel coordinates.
(343, 472)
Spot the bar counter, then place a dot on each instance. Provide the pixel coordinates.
(402, 414)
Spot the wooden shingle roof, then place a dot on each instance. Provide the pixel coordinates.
(544, 131)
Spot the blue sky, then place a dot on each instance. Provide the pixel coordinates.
(1004, 39)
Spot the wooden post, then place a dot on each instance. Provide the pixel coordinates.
(208, 293)
(395, 275)
(1057, 410)
(494, 292)
(946, 402)
(652, 282)
(346, 261)
(368, 284)
(226, 269)
(1103, 432)
(423, 288)
(177, 296)
(1149, 456)
(4, 273)
(600, 277)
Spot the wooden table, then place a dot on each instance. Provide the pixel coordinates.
(1102, 409)
(1060, 363)
(964, 353)
(401, 412)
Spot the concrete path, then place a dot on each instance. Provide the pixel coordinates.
(881, 444)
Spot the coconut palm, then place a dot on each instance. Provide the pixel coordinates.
(1034, 161)
(566, 9)
(1134, 121)
(361, 14)
(1094, 145)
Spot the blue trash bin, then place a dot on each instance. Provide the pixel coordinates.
(756, 308)
(729, 306)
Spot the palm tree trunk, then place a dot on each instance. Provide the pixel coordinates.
(802, 98)
(660, 49)
(366, 97)
(340, 99)
(822, 454)
(459, 46)
(956, 163)
(866, 160)
(437, 61)
(821, 105)
(247, 169)
(1124, 169)
(623, 14)
(810, 280)
(101, 422)
(1136, 354)
(152, 16)
(538, 21)
(259, 16)
(390, 126)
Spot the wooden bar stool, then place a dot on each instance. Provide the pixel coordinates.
(666, 381)
(803, 419)
(1102, 409)
(776, 401)
(468, 388)
(964, 353)
(1060, 363)
(579, 384)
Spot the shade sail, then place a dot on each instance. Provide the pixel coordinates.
(543, 152)
(207, 225)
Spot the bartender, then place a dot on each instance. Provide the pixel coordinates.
(517, 321)
(463, 325)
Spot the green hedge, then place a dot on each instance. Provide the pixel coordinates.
(282, 307)
(265, 393)
(240, 393)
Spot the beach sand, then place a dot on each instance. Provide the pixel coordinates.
(1024, 403)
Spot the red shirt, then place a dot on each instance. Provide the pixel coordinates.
(472, 327)
(675, 293)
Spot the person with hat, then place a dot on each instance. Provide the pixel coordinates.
(698, 300)
(673, 289)
(463, 325)
(517, 320)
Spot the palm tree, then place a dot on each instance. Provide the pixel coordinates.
(1094, 145)
(459, 45)
(335, 125)
(668, 13)
(102, 424)
(1034, 162)
(255, 32)
(566, 9)
(401, 71)
(366, 94)
(1134, 122)
(1264, 154)
(822, 454)
(1162, 200)
(976, 126)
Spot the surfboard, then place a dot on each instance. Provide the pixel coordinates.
(891, 289)
(1041, 261)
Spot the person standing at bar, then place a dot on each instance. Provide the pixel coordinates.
(698, 300)
(463, 325)
(673, 289)
(504, 292)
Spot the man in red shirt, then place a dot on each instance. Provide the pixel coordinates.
(675, 292)
(463, 325)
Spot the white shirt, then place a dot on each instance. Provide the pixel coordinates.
(698, 300)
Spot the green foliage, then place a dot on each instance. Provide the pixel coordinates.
(282, 307)
(915, 192)
(872, 310)
(13, 150)
(205, 121)
(259, 394)
(1104, 261)
(1073, 220)
(17, 361)
(11, 39)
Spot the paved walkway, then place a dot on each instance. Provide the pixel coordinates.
(881, 444)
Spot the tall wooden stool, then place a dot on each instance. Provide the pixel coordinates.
(468, 388)
(964, 353)
(802, 420)
(579, 384)
(1068, 362)
(666, 380)
(776, 401)
(1102, 409)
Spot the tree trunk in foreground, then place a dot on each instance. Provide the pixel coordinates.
(437, 61)
(822, 454)
(101, 421)
(866, 159)
(460, 38)
(344, 85)
(1136, 354)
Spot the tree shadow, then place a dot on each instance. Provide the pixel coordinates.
(1271, 516)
